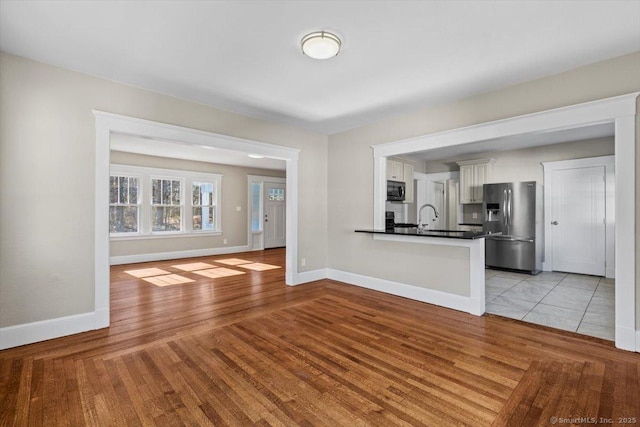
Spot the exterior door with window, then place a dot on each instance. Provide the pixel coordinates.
(274, 215)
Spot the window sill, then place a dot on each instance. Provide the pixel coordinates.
(165, 236)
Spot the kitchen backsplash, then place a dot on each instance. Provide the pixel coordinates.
(467, 214)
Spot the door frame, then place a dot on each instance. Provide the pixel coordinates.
(425, 179)
(251, 235)
(264, 203)
(608, 162)
(108, 123)
(618, 110)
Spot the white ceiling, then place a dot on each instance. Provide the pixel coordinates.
(244, 56)
(176, 150)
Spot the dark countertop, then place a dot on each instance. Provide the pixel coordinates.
(447, 234)
(468, 223)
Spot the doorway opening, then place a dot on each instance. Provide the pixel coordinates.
(267, 205)
(108, 125)
(617, 113)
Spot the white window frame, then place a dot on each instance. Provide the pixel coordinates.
(186, 178)
(260, 207)
(139, 204)
(165, 177)
(214, 205)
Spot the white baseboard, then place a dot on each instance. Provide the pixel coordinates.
(443, 299)
(28, 333)
(311, 276)
(637, 341)
(162, 256)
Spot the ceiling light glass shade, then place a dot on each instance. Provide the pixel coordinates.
(321, 45)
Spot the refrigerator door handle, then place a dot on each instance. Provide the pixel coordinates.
(510, 238)
(510, 207)
(504, 207)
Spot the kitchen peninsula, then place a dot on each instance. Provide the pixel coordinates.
(474, 241)
(414, 231)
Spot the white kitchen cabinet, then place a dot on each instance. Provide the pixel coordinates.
(473, 175)
(408, 179)
(395, 170)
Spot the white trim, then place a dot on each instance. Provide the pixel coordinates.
(107, 123)
(625, 231)
(312, 276)
(161, 256)
(638, 341)
(291, 274)
(165, 235)
(620, 110)
(608, 162)
(573, 116)
(430, 296)
(251, 235)
(27, 333)
(261, 178)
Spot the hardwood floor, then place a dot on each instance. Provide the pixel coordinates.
(249, 350)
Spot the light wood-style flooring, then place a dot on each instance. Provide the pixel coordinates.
(246, 349)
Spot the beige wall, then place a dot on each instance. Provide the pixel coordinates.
(47, 145)
(351, 165)
(525, 164)
(233, 193)
(47, 150)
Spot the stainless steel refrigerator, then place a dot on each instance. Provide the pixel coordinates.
(514, 210)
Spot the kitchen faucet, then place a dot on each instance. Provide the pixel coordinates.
(420, 213)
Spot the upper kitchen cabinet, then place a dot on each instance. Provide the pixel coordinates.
(395, 170)
(473, 175)
(398, 170)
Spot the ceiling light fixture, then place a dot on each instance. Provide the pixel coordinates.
(321, 45)
(256, 156)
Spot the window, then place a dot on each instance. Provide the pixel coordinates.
(166, 208)
(150, 203)
(203, 206)
(256, 192)
(276, 194)
(124, 206)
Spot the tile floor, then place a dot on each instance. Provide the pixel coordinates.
(573, 302)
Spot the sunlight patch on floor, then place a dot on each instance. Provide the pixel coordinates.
(194, 266)
(170, 279)
(232, 261)
(146, 272)
(257, 266)
(215, 273)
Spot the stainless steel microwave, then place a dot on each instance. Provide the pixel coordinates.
(396, 191)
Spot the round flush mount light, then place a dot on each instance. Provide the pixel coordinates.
(321, 45)
(256, 156)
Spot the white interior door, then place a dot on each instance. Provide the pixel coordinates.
(274, 215)
(437, 200)
(578, 220)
